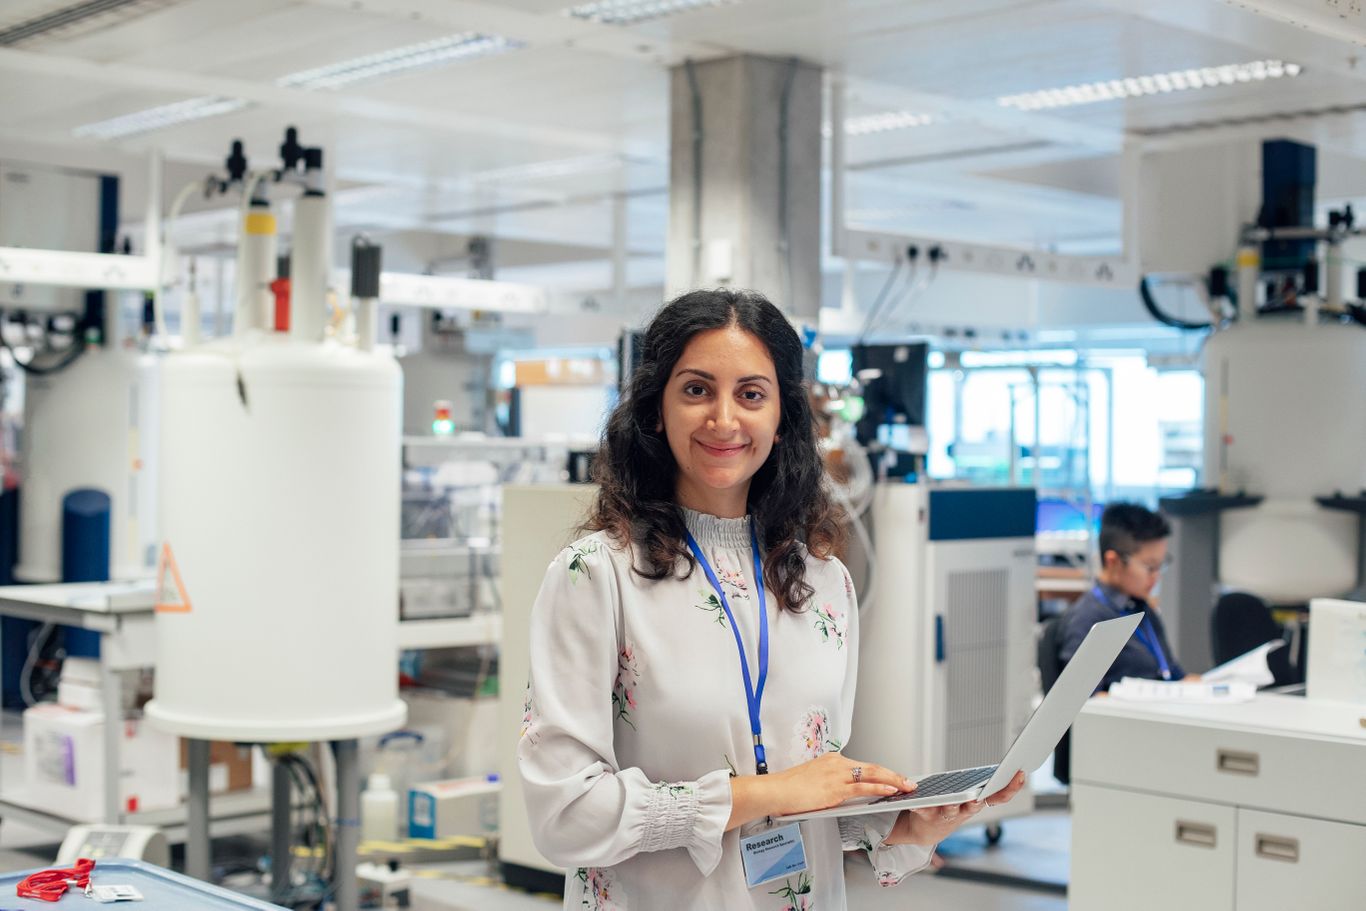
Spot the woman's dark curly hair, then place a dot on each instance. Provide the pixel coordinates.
(636, 470)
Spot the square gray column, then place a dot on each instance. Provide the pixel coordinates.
(727, 217)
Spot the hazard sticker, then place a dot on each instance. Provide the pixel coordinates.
(171, 595)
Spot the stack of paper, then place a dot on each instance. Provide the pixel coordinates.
(1135, 689)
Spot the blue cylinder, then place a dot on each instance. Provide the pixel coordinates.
(85, 555)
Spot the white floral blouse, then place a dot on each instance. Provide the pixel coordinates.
(636, 719)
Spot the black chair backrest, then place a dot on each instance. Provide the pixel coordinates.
(1240, 623)
(1050, 667)
(1050, 647)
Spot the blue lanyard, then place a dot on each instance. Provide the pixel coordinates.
(754, 695)
(1146, 634)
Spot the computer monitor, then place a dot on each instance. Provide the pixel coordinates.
(893, 378)
(1057, 515)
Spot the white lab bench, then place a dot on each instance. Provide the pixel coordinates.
(123, 615)
(1257, 806)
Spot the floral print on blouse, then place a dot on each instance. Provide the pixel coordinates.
(637, 719)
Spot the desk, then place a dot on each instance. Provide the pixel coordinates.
(1062, 583)
(1256, 806)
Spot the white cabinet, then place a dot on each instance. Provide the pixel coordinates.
(1143, 852)
(1256, 806)
(1293, 862)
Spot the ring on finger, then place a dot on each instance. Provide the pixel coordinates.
(857, 773)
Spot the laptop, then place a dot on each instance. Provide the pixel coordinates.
(1050, 721)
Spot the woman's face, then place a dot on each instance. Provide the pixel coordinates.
(720, 413)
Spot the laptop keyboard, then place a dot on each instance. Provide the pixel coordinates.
(945, 783)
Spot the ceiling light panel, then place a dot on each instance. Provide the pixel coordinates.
(1156, 84)
(884, 122)
(159, 118)
(409, 58)
(76, 19)
(631, 12)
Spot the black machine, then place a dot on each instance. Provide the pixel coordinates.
(893, 378)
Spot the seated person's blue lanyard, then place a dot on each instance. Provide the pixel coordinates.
(754, 695)
(1145, 633)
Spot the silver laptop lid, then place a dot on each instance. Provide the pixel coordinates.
(1074, 686)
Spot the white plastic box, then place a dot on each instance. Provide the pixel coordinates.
(460, 806)
(64, 764)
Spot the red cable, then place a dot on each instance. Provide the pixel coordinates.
(51, 885)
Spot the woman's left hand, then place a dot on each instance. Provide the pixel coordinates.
(929, 826)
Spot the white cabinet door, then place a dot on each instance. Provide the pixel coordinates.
(1293, 862)
(1139, 852)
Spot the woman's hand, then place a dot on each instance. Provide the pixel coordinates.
(929, 826)
(824, 782)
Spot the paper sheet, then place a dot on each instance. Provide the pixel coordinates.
(1250, 667)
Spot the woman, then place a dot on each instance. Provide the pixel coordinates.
(693, 660)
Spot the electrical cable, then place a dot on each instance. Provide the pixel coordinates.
(69, 355)
(865, 602)
(30, 663)
(1146, 295)
(914, 289)
(877, 301)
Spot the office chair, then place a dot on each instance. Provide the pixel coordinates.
(1240, 623)
(1050, 667)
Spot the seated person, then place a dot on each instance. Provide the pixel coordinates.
(1133, 553)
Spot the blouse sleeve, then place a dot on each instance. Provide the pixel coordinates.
(891, 863)
(585, 810)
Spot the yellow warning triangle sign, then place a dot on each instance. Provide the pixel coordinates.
(171, 595)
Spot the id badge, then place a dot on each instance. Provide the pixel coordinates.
(772, 854)
(109, 894)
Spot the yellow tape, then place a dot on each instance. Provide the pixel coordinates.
(1248, 257)
(260, 223)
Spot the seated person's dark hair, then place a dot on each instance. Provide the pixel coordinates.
(1125, 527)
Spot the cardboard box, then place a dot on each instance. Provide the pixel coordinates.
(64, 764)
(229, 767)
(460, 806)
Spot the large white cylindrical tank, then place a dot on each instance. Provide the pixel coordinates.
(1285, 420)
(90, 425)
(280, 516)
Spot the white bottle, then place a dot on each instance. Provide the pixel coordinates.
(378, 809)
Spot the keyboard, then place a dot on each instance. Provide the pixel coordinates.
(945, 783)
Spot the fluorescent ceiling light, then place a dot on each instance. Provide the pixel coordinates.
(630, 12)
(548, 170)
(76, 19)
(881, 123)
(167, 115)
(1159, 83)
(422, 56)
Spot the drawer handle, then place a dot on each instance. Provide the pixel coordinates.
(1237, 763)
(1274, 847)
(1196, 833)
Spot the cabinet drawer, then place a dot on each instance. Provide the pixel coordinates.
(1137, 852)
(1291, 862)
(1247, 768)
